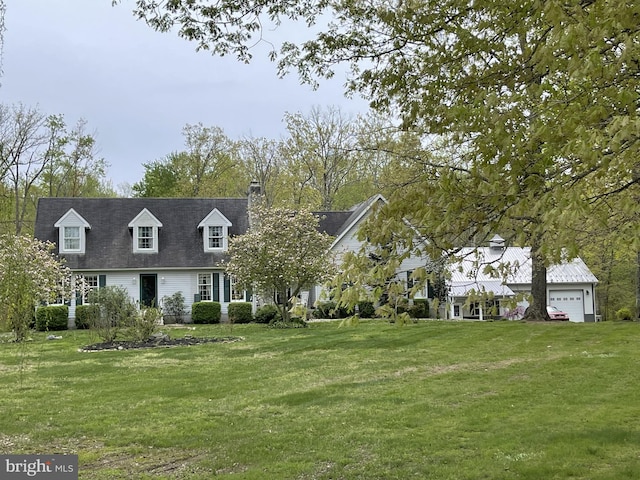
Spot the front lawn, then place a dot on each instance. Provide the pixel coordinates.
(432, 400)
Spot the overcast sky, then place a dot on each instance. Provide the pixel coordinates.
(137, 88)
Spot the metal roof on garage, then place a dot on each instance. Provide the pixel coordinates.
(474, 261)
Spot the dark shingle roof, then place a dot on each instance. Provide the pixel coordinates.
(109, 241)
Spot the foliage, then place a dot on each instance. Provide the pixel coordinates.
(202, 170)
(329, 309)
(624, 314)
(29, 275)
(144, 323)
(173, 307)
(41, 156)
(266, 314)
(206, 312)
(366, 309)
(115, 310)
(52, 317)
(537, 102)
(84, 315)
(282, 254)
(240, 312)
(294, 322)
(420, 308)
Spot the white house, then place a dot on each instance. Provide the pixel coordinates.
(155, 247)
(570, 285)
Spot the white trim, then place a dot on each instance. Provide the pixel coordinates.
(145, 219)
(215, 218)
(72, 219)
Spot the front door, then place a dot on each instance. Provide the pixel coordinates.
(148, 289)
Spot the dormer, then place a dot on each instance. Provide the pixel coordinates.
(215, 231)
(72, 230)
(145, 232)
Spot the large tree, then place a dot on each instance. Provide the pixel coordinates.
(282, 255)
(205, 168)
(29, 274)
(541, 98)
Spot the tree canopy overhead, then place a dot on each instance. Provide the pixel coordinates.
(536, 88)
(539, 100)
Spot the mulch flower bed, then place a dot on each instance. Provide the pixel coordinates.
(155, 342)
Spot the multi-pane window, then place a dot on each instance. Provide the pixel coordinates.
(237, 294)
(204, 286)
(90, 284)
(216, 236)
(71, 238)
(145, 238)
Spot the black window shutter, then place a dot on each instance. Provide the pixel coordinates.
(216, 287)
(78, 297)
(227, 289)
(249, 294)
(102, 281)
(196, 297)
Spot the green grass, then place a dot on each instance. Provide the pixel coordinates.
(428, 400)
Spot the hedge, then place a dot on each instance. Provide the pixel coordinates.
(420, 308)
(53, 317)
(206, 312)
(240, 312)
(84, 314)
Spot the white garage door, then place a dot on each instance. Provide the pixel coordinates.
(569, 301)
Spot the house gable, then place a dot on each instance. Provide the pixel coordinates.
(145, 232)
(215, 231)
(72, 238)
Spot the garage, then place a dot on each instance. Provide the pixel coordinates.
(569, 301)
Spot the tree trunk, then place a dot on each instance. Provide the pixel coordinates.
(638, 287)
(537, 310)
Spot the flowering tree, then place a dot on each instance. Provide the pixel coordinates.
(282, 254)
(29, 274)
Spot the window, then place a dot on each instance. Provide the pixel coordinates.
(145, 238)
(145, 228)
(204, 286)
(90, 284)
(71, 238)
(215, 231)
(237, 293)
(216, 236)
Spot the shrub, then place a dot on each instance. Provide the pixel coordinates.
(329, 310)
(296, 322)
(84, 314)
(54, 317)
(420, 308)
(173, 307)
(267, 314)
(144, 324)
(115, 310)
(206, 312)
(366, 309)
(240, 312)
(624, 314)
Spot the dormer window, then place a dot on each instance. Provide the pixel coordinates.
(216, 236)
(215, 231)
(71, 239)
(145, 232)
(145, 238)
(72, 232)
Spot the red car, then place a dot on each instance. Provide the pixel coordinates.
(556, 314)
